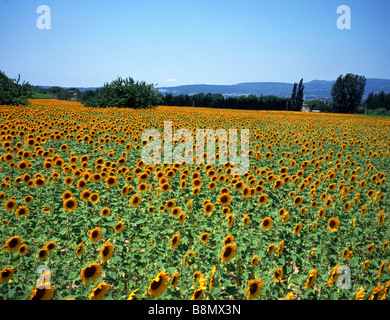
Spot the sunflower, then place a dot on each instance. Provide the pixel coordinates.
(159, 284)
(266, 223)
(254, 287)
(176, 211)
(280, 248)
(198, 293)
(370, 248)
(230, 220)
(85, 195)
(100, 292)
(175, 240)
(376, 293)
(119, 227)
(271, 248)
(254, 261)
(204, 237)
(28, 199)
(105, 212)
(321, 213)
(213, 270)
(208, 208)
(229, 252)
(132, 295)
(298, 201)
(42, 254)
(263, 199)
(142, 187)
(290, 296)
(95, 234)
(381, 268)
(106, 251)
(42, 293)
(70, 204)
(94, 198)
(360, 294)
(285, 217)
(333, 224)
(66, 195)
(347, 206)
(228, 239)
(278, 274)
(13, 244)
(6, 274)
(311, 279)
(175, 279)
(334, 276)
(80, 249)
(51, 246)
(22, 211)
(297, 228)
(23, 249)
(224, 199)
(182, 217)
(135, 200)
(10, 205)
(246, 220)
(91, 273)
(111, 181)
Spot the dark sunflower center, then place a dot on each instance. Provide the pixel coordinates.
(5, 274)
(332, 224)
(95, 233)
(253, 288)
(89, 271)
(13, 243)
(42, 253)
(70, 204)
(50, 246)
(227, 252)
(10, 204)
(266, 223)
(97, 291)
(106, 251)
(174, 240)
(156, 284)
(198, 293)
(39, 294)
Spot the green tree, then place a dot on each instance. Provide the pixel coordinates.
(294, 96)
(316, 105)
(347, 93)
(12, 92)
(124, 93)
(299, 100)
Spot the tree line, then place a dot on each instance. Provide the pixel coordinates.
(217, 100)
(347, 93)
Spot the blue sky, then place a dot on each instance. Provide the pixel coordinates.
(175, 42)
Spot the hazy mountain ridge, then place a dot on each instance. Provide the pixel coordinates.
(315, 89)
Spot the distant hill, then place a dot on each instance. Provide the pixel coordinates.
(316, 89)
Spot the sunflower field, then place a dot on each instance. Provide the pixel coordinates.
(82, 216)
